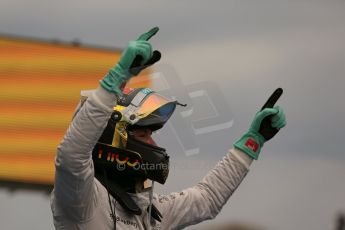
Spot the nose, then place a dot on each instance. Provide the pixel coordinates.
(151, 141)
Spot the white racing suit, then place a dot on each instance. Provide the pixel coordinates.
(80, 201)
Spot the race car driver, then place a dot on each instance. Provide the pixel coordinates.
(107, 154)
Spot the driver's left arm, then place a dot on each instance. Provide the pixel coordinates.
(206, 199)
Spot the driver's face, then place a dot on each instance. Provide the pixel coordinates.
(144, 135)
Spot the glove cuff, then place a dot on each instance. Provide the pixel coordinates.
(251, 144)
(114, 79)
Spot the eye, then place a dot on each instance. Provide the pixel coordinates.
(148, 132)
(140, 133)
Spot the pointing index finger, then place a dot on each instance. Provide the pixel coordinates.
(273, 98)
(146, 36)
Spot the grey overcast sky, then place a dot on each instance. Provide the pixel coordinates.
(246, 49)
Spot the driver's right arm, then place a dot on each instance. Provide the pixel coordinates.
(74, 191)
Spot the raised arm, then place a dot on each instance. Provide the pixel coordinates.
(206, 199)
(75, 193)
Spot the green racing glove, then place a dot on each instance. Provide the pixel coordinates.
(137, 56)
(266, 124)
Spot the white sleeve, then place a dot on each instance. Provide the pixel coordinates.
(206, 199)
(74, 190)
